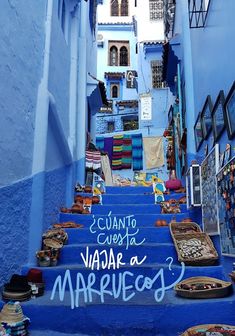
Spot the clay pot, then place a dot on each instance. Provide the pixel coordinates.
(78, 199)
(77, 208)
(88, 189)
(95, 200)
(65, 210)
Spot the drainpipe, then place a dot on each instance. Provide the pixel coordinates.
(189, 92)
(40, 144)
(81, 124)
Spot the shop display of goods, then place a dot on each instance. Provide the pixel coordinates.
(195, 249)
(49, 243)
(184, 227)
(43, 258)
(78, 188)
(68, 225)
(87, 189)
(203, 288)
(17, 289)
(78, 199)
(167, 208)
(35, 280)
(173, 184)
(95, 199)
(182, 200)
(210, 330)
(2, 331)
(13, 320)
(77, 208)
(180, 190)
(56, 234)
(186, 220)
(160, 223)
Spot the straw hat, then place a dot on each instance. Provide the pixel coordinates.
(12, 313)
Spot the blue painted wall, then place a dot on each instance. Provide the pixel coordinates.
(36, 113)
(15, 203)
(20, 70)
(161, 98)
(214, 70)
(206, 59)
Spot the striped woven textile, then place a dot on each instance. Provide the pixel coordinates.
(100, 143)
(127, 152)
(93, 160)
(117, 152)
(137, 151)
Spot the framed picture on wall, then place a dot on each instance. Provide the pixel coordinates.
(209, 169)
(230, 112)
(218, 116)
(206, 117)
(198, 132)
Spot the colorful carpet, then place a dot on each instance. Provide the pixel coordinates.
(117, 152)
(137, 151)
(127, 152)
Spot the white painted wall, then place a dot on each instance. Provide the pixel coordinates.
(103, 13)
(147, 30)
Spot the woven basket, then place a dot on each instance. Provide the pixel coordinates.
(201, 330)
(224, 290)
(57, 234)
(52, 244)
(183, 227)
(205, 253)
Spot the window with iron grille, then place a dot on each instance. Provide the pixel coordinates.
(119, 8)
(155, 10)
(157, 68)
(198, 10)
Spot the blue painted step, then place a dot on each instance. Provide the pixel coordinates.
(130, 209)
(142, 315)
(142, 220)
(150, 234)
(139, 316)
(156, 253)
(147, 198)
(146, 270)
(132, 190)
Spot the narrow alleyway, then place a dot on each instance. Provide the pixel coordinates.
(123, 306)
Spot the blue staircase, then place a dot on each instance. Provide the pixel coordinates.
(136, 299)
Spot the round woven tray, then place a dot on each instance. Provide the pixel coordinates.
(223, 291)
(202, 330)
